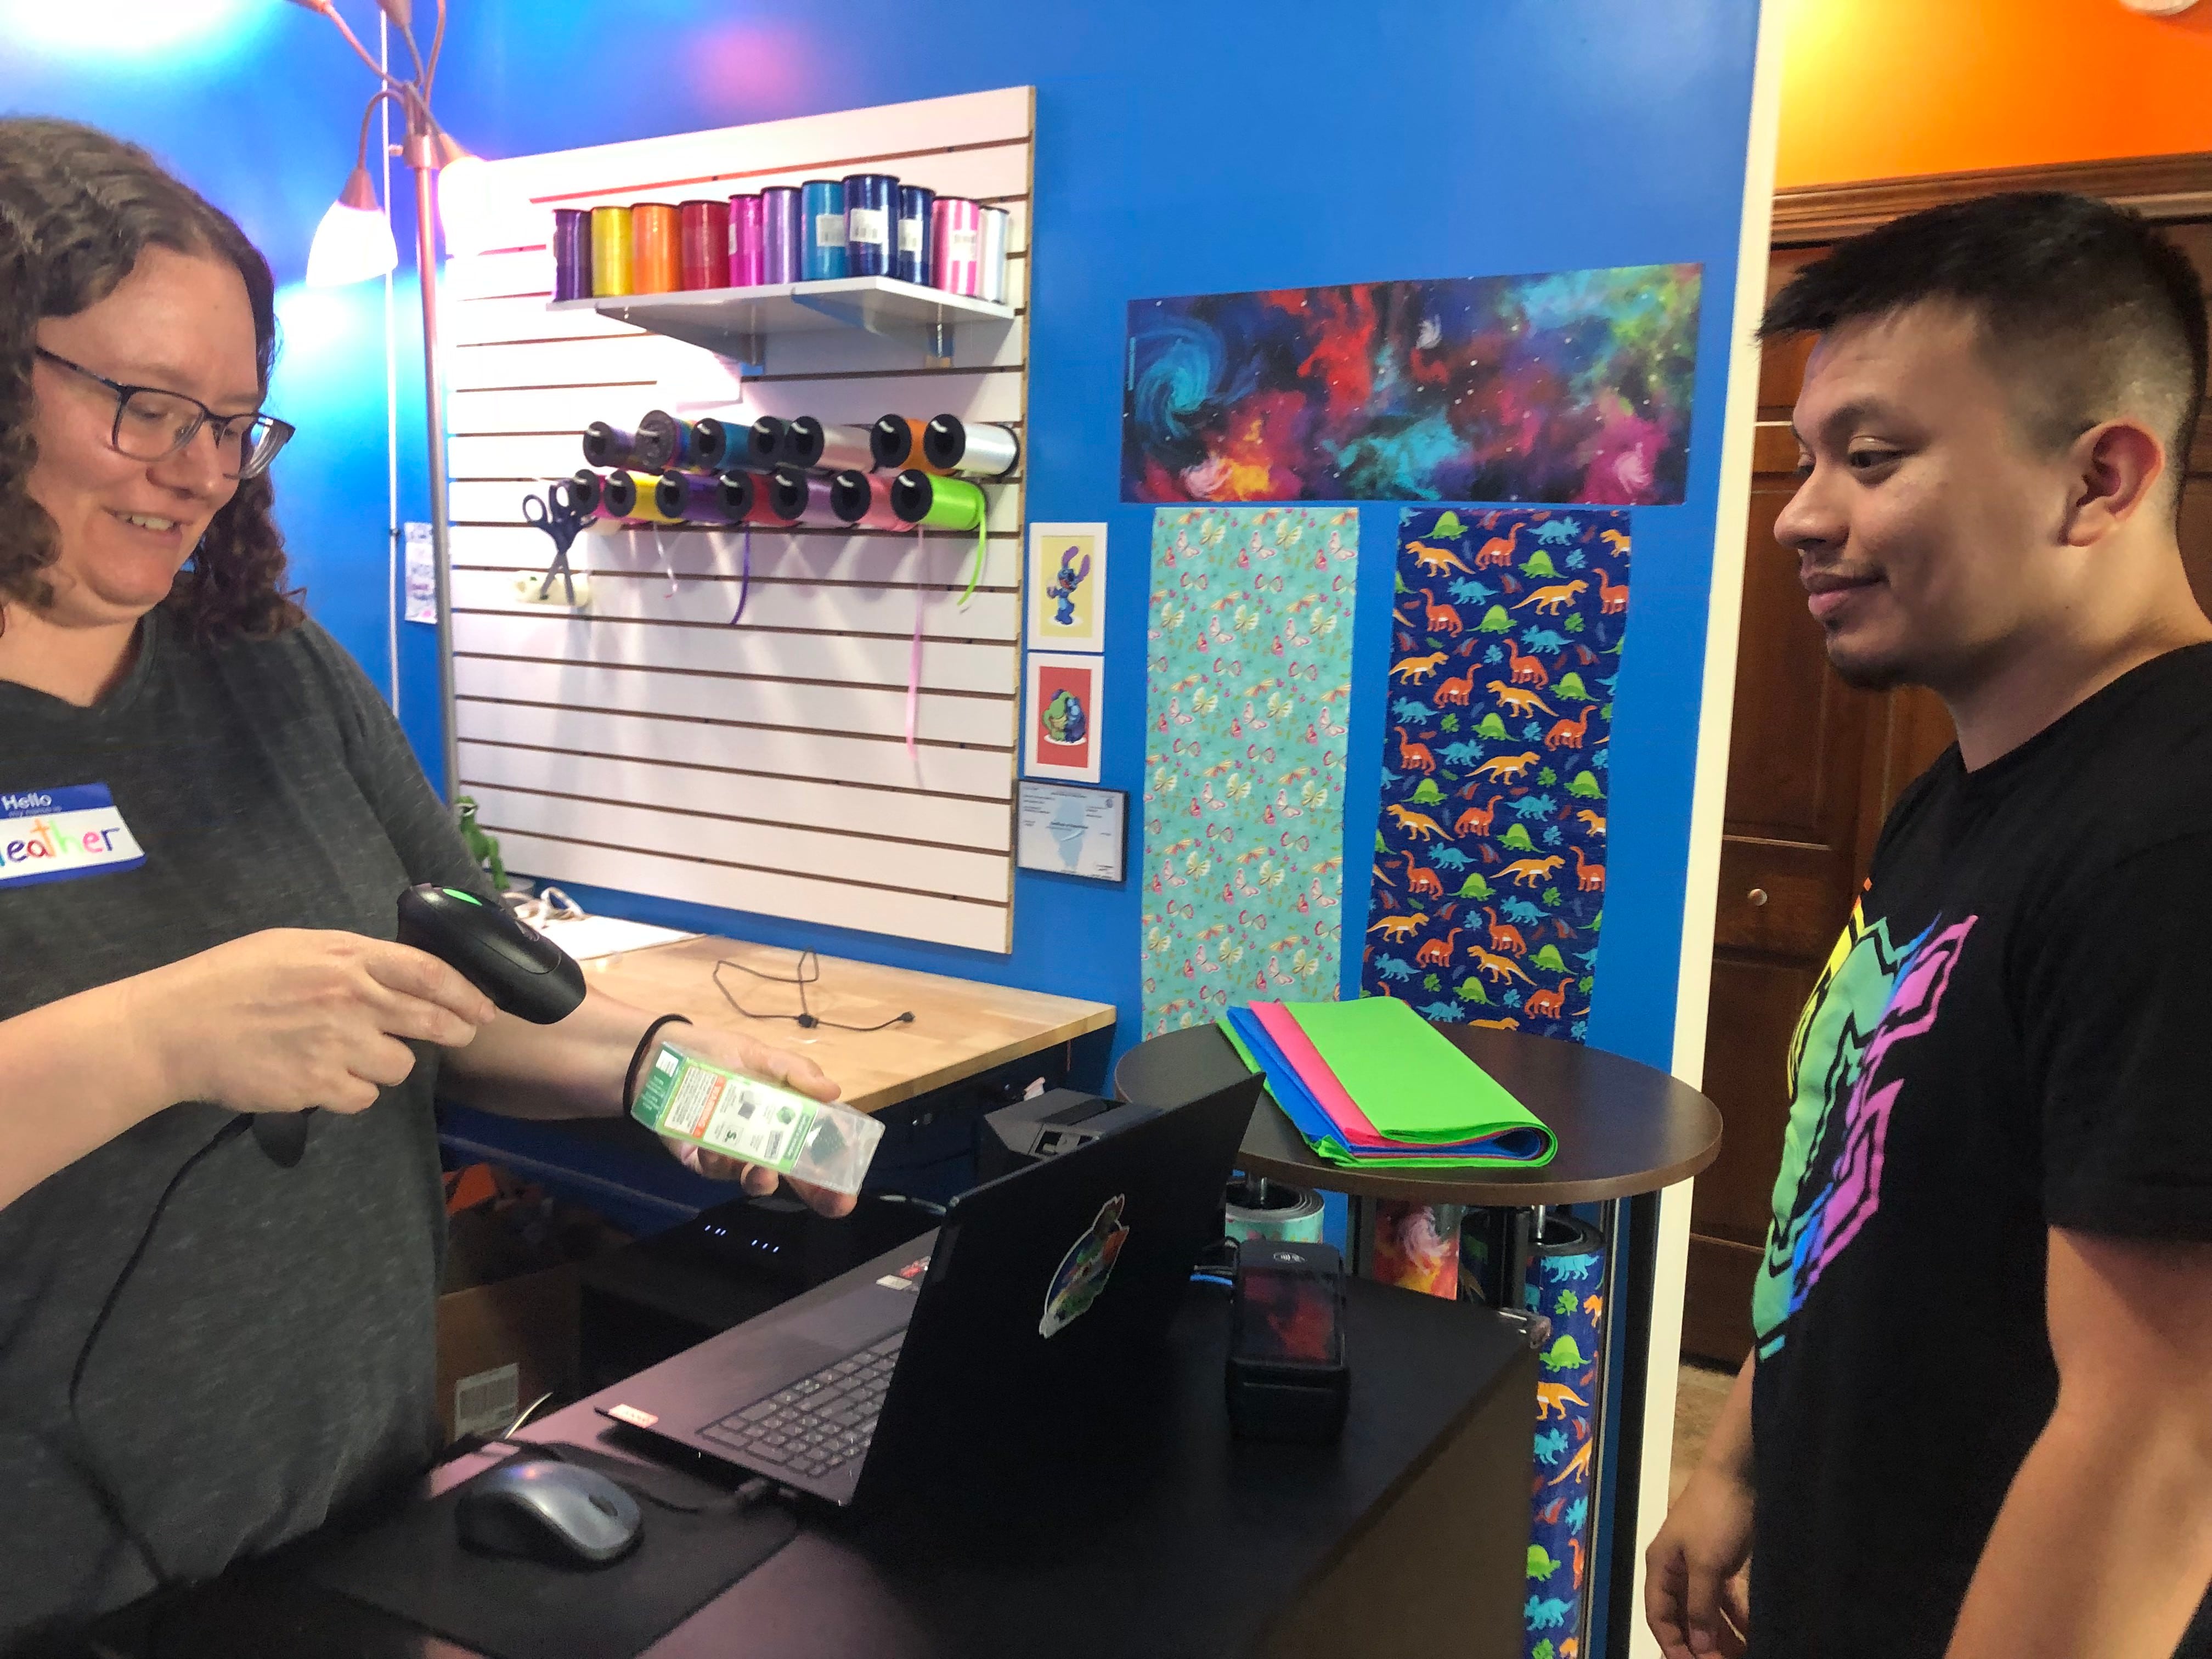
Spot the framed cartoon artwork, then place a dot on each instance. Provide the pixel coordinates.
(1067, 586)
(1060, 734)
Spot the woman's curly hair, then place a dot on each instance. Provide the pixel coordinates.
(77, 208)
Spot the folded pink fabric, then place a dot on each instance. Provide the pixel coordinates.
(1314, 1071)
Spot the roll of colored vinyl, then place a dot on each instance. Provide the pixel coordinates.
(718, 445)
(748, 252)
(939, 503)
(572, 253)
(586, 489)
(763, 446)
(808, 443)
(705, 497)
(796, 497)
(703, 244)
(910, 243)
(895, 443)
(618, 495)
(656, 261)
(825, 230)
(609, 445)
(991, 261)
(986, 451)
(957, 234)
(663, 441)
(783, 235)
(871, 202)
(864, 500)
(610, 250)
(644, 492)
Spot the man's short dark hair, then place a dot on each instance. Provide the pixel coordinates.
(2085, 306)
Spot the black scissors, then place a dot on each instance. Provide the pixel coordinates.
(560, 514)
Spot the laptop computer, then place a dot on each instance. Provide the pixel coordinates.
(1045, 1283)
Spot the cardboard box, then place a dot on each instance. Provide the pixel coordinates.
(507, 1322)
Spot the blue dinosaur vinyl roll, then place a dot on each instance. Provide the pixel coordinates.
(1566, 1284)
(910, 246)
(823, 227)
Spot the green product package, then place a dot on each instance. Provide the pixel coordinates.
(694, 1099)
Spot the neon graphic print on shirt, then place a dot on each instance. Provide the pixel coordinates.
(1871, 996)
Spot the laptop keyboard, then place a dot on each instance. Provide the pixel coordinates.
(819, 1422)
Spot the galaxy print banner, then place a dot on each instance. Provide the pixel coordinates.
(1574, 387)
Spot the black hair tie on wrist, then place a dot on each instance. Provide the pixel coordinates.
(643, 1052)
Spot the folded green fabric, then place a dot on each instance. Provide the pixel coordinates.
(1405, 1075)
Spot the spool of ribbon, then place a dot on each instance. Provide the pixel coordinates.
(609, 445)
(808, 443)
(663, 441)
(1273, 1210)
(984, 451)
(956, 232)
(798, 497)
(748, 252)
(863, 499)
(723, 446)
(618, 495)
(703, 244)
(870, 199)
(991, 257)
(943, 504)
(644, 492)
(585, 490)
(610, 250)
(910, 250)
(824, 230)
(572, 253)
(705, 497)
(895, 442)
(656, 253)
(783, 236)
(763, 445)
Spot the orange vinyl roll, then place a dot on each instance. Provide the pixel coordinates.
(895, 442)
(656, 248)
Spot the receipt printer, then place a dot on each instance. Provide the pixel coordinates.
(1288, 1378)
(1045, 1125)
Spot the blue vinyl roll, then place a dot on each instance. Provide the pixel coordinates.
(824, 230)
(870, 199)
(910, 243)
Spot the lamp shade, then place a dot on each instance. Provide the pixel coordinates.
(475, 213)
(353, 242)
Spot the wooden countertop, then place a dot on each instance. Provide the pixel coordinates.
(960, 1027)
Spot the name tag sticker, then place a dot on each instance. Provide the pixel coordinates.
(61, 834)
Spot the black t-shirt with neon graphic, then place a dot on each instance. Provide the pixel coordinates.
(2008, 1038)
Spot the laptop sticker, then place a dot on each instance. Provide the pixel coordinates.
(906, 1278)
(1085, 1269)
(63, 834)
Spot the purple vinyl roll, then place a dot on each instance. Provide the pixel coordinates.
(956, 260)
(783, 237)
(705, 497)
(572, 253)
(798, 497)
(748, 251)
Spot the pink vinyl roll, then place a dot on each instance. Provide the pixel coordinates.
(863, 499)
(957, 245)
(748, 243)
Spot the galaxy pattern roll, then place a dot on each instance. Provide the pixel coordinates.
(656, 260)
(991, 257)
(863, 499)
(783, 234)
(808, 443)
(796, 497)
(748, 251)
(610, 250)
(957, 234)
(572, 253)
(703, 244)
(609, 445)
(910, 245)
(871, 204)
(824, 230)
(988, 451)
(705, 497)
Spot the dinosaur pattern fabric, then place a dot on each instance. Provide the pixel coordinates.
(1567, 1287)
(1489, 865)
(1248, 665)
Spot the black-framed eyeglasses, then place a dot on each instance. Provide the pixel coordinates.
(152, 425)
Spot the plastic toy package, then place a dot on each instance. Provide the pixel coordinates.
(725, 1111)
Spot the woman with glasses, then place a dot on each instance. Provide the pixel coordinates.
(206, 817)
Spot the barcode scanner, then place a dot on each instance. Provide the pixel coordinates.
(523, 973)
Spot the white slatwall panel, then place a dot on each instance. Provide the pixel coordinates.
(646, 744)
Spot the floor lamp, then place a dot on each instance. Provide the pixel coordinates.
(354, 243)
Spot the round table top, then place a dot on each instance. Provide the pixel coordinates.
(1622, 1127)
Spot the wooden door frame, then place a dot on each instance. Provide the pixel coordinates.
(2159, 188)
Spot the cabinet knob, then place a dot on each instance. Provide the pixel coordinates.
(1757, 895)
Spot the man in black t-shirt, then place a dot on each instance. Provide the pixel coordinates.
(1976, 1421)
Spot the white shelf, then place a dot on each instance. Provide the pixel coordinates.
(736, 322)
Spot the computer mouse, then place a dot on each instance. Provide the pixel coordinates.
(550, 1511)
(522, 971)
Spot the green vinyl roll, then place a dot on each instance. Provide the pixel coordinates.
(943, 504)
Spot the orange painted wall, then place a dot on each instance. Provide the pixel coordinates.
(1883, 88)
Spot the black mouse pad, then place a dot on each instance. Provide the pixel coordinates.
(698, 1541)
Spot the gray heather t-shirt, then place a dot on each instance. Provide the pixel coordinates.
(270, 1359)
